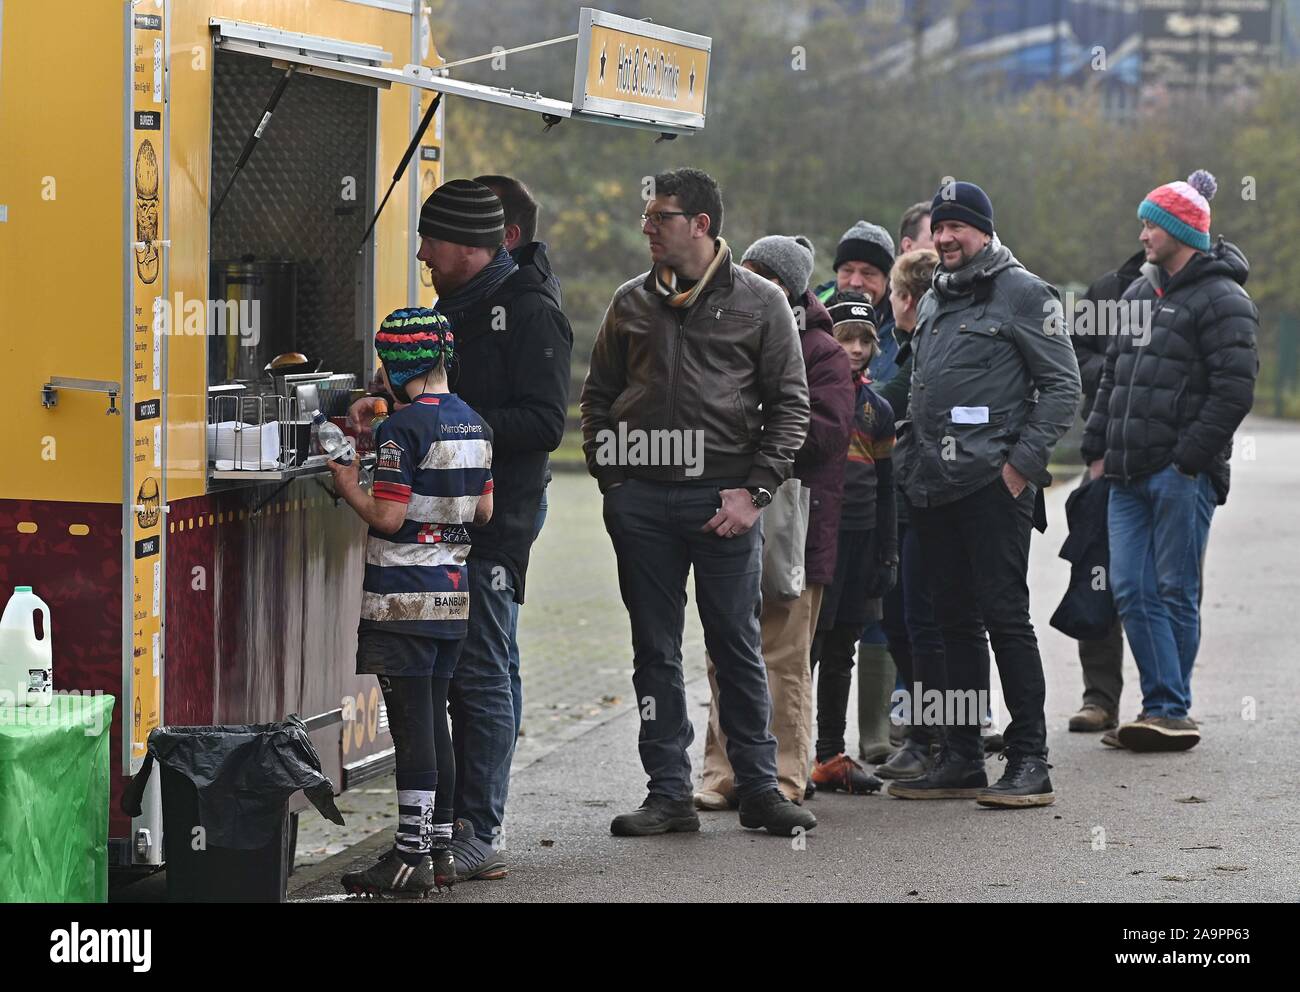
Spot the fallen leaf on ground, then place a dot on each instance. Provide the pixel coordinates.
(1191, 799)
(1203, 847)
(1230, 867)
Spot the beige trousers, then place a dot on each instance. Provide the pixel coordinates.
(787, 628)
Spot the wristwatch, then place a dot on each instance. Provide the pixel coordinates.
(759, 496)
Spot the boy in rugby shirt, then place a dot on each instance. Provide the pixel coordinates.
(432, 477)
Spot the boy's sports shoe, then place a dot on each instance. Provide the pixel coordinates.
(842, 774)
(444, 866)
(391, 876)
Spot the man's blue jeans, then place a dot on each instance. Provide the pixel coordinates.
(516, 683)
(1159, 526)
(482, 707)
(656, 529)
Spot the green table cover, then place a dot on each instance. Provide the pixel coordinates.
(54, 782)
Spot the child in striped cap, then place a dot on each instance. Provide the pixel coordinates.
(433, 480)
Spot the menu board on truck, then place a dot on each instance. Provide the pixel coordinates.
(145, 483)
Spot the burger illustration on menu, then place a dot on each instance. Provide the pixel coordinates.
(146, 212)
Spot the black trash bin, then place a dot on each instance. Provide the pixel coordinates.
(225, 797)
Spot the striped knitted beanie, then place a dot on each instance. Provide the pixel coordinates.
(464, 213)
(414, 341)
(1183, 209)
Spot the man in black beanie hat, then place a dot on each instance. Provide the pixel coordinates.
(993, 390)
(513, 347)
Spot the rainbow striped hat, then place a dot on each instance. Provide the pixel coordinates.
(1183, 209)
(412, 341)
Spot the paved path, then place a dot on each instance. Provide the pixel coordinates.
(1218, 823)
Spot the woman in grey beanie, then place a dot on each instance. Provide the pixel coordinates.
(788, 261)
(788, 626)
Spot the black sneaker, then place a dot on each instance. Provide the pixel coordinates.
(657, 815)
(1024, 783)
(444, 865)
(913, 761)
(952, 777)
(772, 810)
(391, 875)
(475, 859)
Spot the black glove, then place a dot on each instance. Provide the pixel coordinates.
(882, 580)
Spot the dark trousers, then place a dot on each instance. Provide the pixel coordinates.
(976, 551)
(1103, 669)
(915, 640)
(834, 650)
(417, 721)
(657, 537)
(482, 706)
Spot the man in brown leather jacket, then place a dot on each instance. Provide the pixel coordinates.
(694, 406)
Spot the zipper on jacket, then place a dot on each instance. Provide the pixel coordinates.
(681, 315)
(1128, 406)
(720, 312)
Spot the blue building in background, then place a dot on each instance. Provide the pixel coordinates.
(1124, 49)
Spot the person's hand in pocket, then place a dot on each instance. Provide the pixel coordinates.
(1013, 480)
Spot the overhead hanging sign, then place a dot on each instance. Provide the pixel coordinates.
(640, 72)
(1208, 44)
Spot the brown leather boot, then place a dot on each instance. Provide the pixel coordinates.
(1093, 719)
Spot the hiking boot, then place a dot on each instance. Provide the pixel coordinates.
(874, 754)
(772, 810)
(914, 760)
(951, 777)
(392, 876)
(1093, 719)
(657, 815)
(1159, 733)
(475, 859)
(842, 774)
(714, 802)
(1024, 783)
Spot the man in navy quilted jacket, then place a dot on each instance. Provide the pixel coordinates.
(1178, 380)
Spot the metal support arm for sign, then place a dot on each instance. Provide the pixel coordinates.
(254, 138)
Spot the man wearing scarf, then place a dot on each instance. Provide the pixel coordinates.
(994, 386)
(705, 351)
(514, 347)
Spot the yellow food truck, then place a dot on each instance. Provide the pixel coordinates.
(190, 263)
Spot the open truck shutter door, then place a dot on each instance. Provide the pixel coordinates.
(627, 72)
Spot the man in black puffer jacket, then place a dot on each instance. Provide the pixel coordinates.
(1178, 380)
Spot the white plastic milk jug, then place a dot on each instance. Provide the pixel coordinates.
(26, 661)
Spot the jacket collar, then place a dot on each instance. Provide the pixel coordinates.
(722, 279)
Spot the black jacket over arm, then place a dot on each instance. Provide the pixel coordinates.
(513, 367)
